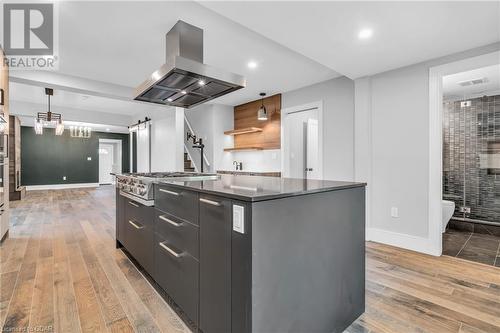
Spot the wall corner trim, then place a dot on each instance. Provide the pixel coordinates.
(405, 241)
(60, 186)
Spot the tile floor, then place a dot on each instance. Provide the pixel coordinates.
(474, 242)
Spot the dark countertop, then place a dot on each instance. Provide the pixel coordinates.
(257, 188)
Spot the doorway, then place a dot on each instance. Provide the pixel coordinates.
(110, 160)
(435, 195)
(302, 141)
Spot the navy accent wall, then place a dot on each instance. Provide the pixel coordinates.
(47, 158)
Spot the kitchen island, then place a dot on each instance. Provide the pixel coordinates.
(253, 254)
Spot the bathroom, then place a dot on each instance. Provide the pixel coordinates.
(471, 165)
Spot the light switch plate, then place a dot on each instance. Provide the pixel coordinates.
(394, 212)
(239, 219)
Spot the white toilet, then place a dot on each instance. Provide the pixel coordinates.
(448, 208)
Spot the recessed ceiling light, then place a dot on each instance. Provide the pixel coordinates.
(252, 64)
(184, 92)
(201, 83)
(107, 130)
(365, 33)
(169, 100)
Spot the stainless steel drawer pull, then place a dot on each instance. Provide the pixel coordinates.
(175, 224)
(135, 225)
(133, 204)
(210, 202)
(169, 192)
(169, 250)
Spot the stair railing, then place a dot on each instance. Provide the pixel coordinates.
(187, 146)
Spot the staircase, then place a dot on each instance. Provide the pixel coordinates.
(188, 165)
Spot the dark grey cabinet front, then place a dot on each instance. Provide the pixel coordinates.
(176, 271)
(120, 217)
(178, 202)
(215, 264)
(139, 233)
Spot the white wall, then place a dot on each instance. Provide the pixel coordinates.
(255, 160)
(392, 150)
(338, 121)
(209, 121)
(143, 149)
(167, 145)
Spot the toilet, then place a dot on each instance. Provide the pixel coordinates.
(448, 208)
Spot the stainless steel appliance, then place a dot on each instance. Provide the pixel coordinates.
(139, 186)
(4, 154)
(184, 81)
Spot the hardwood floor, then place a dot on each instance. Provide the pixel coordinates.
(60, 272)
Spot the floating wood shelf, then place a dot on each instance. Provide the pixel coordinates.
(243, 131)
(243, 148)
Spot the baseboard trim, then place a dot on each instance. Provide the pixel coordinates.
(405, 241)
(60, 186)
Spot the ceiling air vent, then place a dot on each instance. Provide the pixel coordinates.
(472, 82)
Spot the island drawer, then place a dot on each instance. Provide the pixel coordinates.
(178, 274)
(177, 202)
(139, 237)
(136, 211)
(180, 233)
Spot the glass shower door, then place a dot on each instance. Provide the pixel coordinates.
(471, 158)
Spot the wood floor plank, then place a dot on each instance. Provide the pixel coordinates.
(42, 308)
(18, 313)
(89, 311)
(110, 305)
(7, 284)
(140, 318)
(66, 310)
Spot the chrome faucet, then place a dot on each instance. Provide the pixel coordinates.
(239, 165)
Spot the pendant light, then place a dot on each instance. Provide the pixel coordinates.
(262, 112)
(47, 118)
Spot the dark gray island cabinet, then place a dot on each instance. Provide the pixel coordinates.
(254, 254)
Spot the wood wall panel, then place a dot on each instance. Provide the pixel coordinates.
(245, 116)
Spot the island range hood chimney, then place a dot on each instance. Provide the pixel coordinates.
(184, 81)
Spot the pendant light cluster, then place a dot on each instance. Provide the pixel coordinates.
(83, 132)
(49, 119)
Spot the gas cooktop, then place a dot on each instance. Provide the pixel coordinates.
(140, 184)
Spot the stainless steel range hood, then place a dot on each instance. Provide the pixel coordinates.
(184, 81)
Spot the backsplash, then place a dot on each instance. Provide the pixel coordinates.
(471, 137)
(256, 161)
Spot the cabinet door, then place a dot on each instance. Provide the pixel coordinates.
(120, 217)
(215, 264)
(139, 233)
(176, 271)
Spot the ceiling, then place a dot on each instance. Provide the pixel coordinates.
(293, 43)
(96, 127)
(66, 99)
(125, 43)
(452, 90)
(404, 32)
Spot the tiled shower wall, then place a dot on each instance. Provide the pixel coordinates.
(469, 134)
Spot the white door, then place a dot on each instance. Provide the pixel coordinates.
(106, 154)
(301, 153)
(312, 149)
